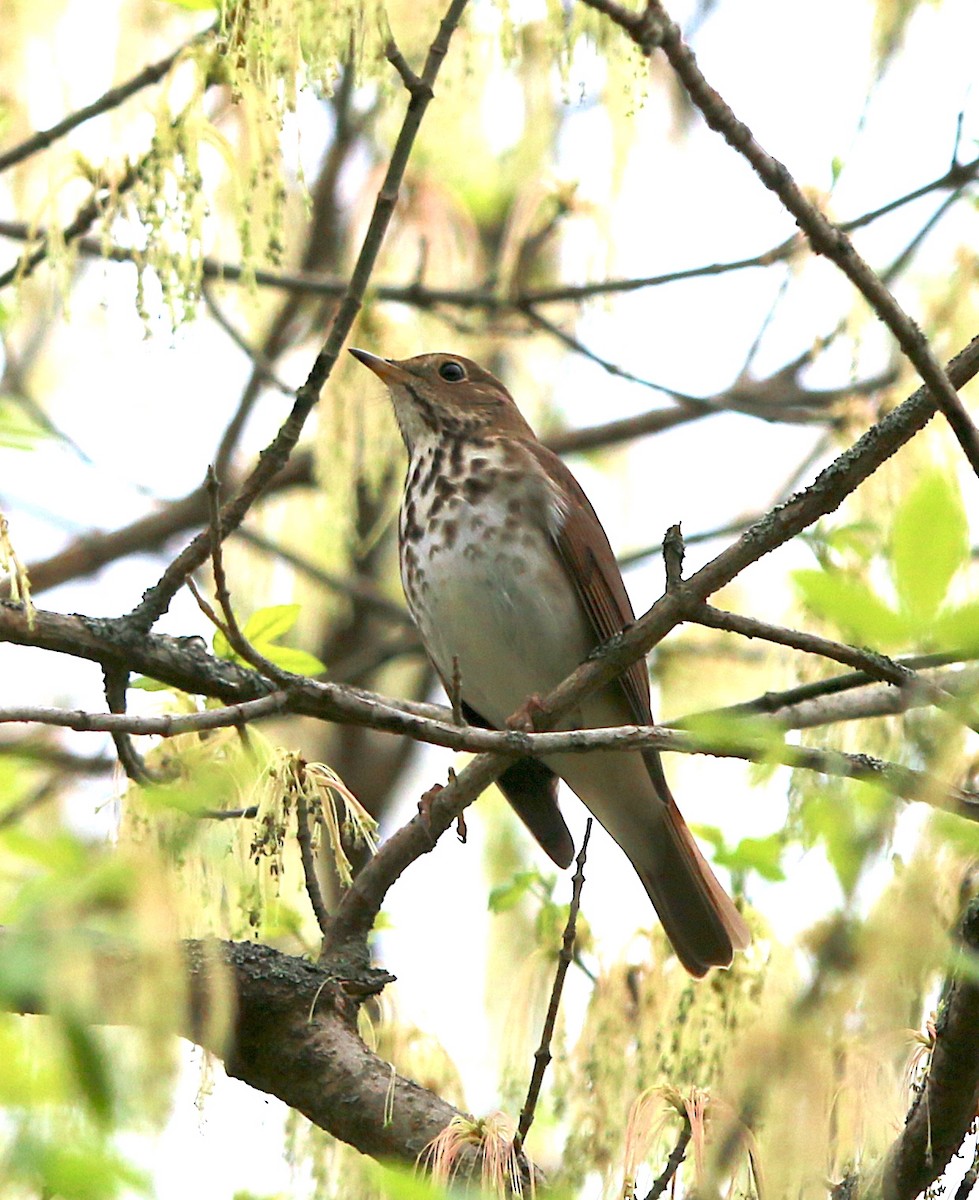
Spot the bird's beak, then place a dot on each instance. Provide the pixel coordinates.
(383, 368)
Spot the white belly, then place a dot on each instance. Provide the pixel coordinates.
(509, 617)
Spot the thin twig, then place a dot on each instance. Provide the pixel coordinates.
(359, 588)
(84, 218)
(156, 600)
(113, 98)
(542, 1057)
(16, 812)
(259, 361)
(485, 299)
(313, 889)
(655, 29)
(871, 663)
(230, 814)
(166, 726)
(115, 681)
(229, 626)
(672, 1163)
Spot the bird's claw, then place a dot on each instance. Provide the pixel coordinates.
(523, 719)
(425, 809)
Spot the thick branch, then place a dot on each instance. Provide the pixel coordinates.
(945, 1108)
(293, 1036)
(185, 664)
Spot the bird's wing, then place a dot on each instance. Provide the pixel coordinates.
(584, 549)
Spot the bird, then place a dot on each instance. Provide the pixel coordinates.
(512, 583)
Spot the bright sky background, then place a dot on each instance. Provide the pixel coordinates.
(699, 203)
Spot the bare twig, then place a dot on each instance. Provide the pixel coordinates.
(655, 29)
(230, 628)
(672, 1163)
(86, 554)
(45, 753)
(157, 599)
(113, 98)
(41, 795)
(313, 889)
(486, 299)
(166, 726)
(870, 662)
(115, 681)
(542, 1057)
(262, 365)
(359, 588)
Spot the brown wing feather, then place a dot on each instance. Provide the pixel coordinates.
(585, 551)
(699, 918)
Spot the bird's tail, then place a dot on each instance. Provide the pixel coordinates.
(697, 914)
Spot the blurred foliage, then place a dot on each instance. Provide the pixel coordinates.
(926, 547)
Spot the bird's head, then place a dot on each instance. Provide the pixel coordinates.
(445, 395)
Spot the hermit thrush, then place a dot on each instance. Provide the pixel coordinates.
(512, 583)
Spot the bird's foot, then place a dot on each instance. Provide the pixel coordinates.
(523, 720)
(425, 809)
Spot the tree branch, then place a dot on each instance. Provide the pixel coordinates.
(542, 1057)
(113, 98)
(959, 175)
(293, 1036)
(946, 1106)
(157, 599)
(655, 29)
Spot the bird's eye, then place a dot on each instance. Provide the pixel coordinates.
(452, 372)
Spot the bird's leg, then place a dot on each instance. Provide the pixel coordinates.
(425, 808)
(523, 720)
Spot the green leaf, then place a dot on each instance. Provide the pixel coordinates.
(762, 855)
(90, 1068)
(735, 731)
(145, 684)
(852, 607)
(17, 430)
(299, 662)
(270, 624)
(929, 542)
(508, 895)
(958, 628)
(402, 1183)
(851, 818)
(79, 1169)
(222, 647)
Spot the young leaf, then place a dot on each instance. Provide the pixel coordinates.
(299, 662)
(852, 607)
(269, 624)
(958, 628)
(762, 855)
(90, 1068)
(929, 542)
(17, 430)
(145, 684)
(508, 895)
